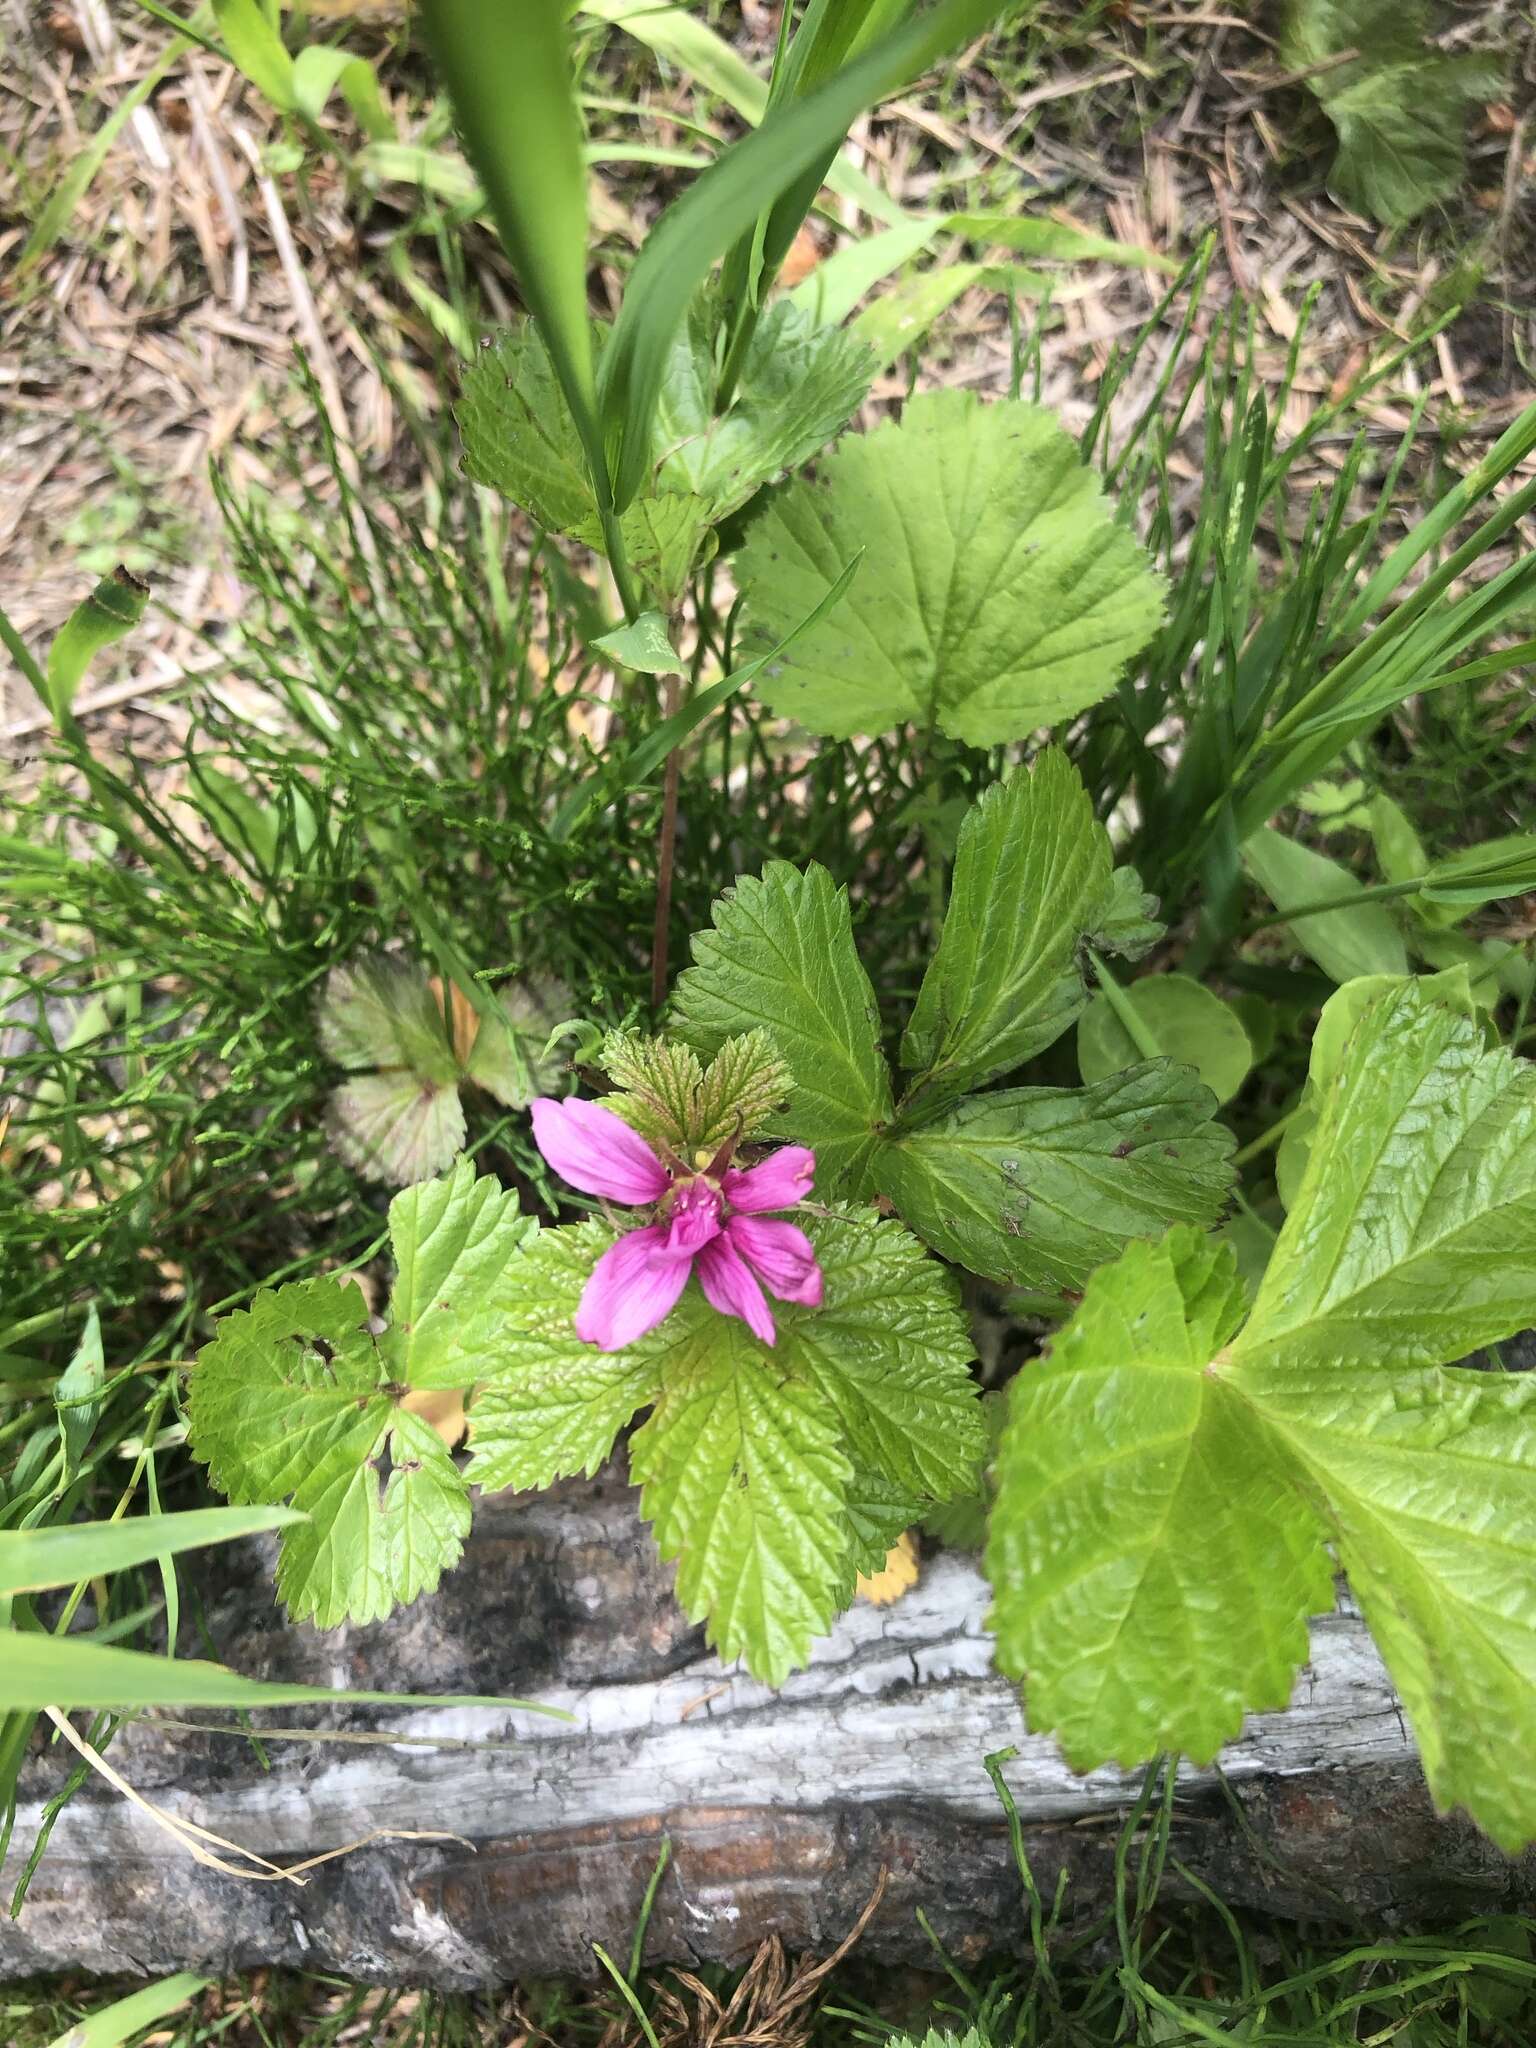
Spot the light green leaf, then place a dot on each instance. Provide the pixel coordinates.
(1412, 1238)
(1177, 1017)
(518, 433)
(381, 1012)
(1152, 1565)
(781, 957)
(1483, 874)
(1400, 109)
(32, 1560)
(1037, 1186)
(395, 1127)
(643, 645)
(256, 50)
(1128, 925)
(666, 536)
(799, 386)
(108, 2026)
(111, 611)
(746, 1484)
(77, 1393)
(452, 1239)
(1357, 938)
(681, 1106)
(998, 594)
(1427, 1481)
(547, 1405)
(890, 1351)
(525, 1013)
(1031, 877)
(879, 1514)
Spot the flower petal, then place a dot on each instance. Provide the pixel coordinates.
(633, 1286)
(783, 1179)
(693, 1218)
(597, 1151)
(730, 1285)
(781, 1255)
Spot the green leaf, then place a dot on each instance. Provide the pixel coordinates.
(781, 957)
(508, 1057)
(1031, 876)
(1412, 1238)
(381, 1012)
(1400, 108)
(108, 2026)
(1152, 1565)
(77, 1393)
(771, 1472)
(1483, 874)
(111, 612)
(744, 1479)
(1357, 938)
(1175, 1016)
(999, 595)
(1427, 1482)
(799, 386)
(547, 1405)
(1037, 1186)
(256, 50)
(679, 1105)
(452, 1239)
(518, 433)
(32, 1560)
(1128, 925)
(643, 646)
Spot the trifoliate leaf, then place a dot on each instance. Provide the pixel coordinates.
(1128, 925)
(299, 1396)
(1178, 1017)
(801, 383)
(1400, 108)
(293, 1397)
(1412, 1238)
(1165, 1486)
(1359, 937)
(1427, 1482)
(1031, 877)
(997, 594)
(681, 1106)
(547, 1405)
(744, 1480)
(1037, 1186)
(1152, 1564)
(642, 645)
(781, 956)
(776, 1472)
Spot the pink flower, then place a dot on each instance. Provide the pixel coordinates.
(712, 1221)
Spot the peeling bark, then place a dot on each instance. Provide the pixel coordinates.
(781, 1808)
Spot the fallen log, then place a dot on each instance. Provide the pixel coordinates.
(781, 1809)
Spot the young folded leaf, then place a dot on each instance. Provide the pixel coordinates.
(999, 594)
(297, 1397)
(1172, 1477)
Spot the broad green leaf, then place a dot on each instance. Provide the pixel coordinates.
(508, 1058)
(547, 1405)
(1031, 877)
(745, 1482)
(1412, 1238)
(643, 645)
(1427, 1482)
(891, 1353)
(1128, 925)
(998, 596)
(41, 1670)
(111, 611)
(1483, 874)
(518, 433)
(381, 1012)
(1176, 1017)
(256, 50)
(1037, 1186)
(395, 1127)
(32, 1560)
(1359, 937)
(452, 1240)
(781, 957)
(772, 1472)
(666, 537)
(1152, 1565)
(799, 386)
(1400, 108)
(321, 67)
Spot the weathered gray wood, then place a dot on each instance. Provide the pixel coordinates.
(782, 1809)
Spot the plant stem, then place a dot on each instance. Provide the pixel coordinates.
(1376, 892)
(666, 851)
(1125, 1010)
(613, 547)
(1266, 1139)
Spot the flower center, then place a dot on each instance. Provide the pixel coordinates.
(692, 1210)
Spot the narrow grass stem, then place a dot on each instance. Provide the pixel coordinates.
(1125, 1010)
(1375, 892)
(666, 851)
